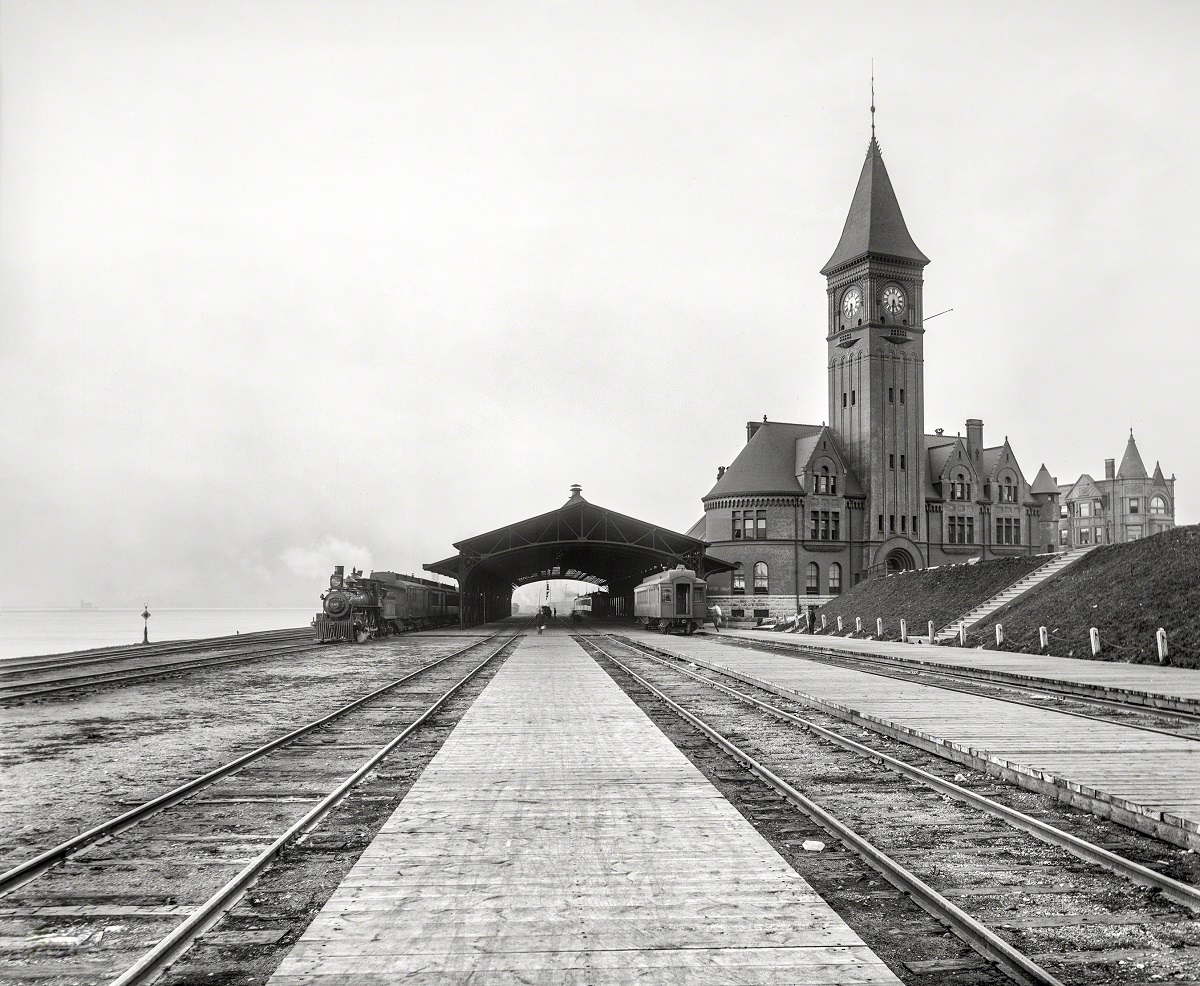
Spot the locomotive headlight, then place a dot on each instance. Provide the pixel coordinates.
(337, 604)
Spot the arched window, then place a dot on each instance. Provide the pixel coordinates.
(835, 579)
(739, 578)
(760, 578)
(825, 481)
(812, 585)
(1158, 505)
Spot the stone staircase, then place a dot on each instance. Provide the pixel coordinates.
(1014, 591)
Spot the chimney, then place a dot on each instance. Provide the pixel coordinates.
(974, 438)
(720, 471)
(752, 428)
(1110, 468)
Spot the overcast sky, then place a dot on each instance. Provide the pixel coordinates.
(287, 284)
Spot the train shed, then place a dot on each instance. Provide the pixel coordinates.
(580, 541)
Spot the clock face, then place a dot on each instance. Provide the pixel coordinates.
(893, 299)
(851, 302)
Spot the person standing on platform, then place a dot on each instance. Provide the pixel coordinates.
(716, 617)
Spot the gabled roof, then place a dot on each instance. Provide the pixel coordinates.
(942, 452)
(766, 463)
(1043, 482)
(874, 224)
(807, 449)
(993, 460)
(1132, 466)
(1159, 479)
(1083, 486)
(699, 529)
(990, 460)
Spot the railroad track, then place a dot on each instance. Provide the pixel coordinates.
(1043, 904)
(73, 659)
(170, 868)
(1121, 708)
(19, 687)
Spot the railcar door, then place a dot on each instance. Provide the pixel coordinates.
(683, 599)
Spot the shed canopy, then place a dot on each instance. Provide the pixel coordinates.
(578, 541)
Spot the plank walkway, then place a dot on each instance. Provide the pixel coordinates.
(1143, 679)
(559, 837)
(1144, 779)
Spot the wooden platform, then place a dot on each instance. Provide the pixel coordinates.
(559, 837)
(1168, 683)
(1143, 779)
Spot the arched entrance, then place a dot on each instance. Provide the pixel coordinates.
(579, 541)
(899, 560)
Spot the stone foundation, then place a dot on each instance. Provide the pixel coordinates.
(754, 608)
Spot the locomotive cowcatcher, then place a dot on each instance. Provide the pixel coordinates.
(357, 608)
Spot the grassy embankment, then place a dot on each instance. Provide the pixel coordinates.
(939, 594)
(1126, 591)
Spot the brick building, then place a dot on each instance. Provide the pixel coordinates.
(807, 511)
(1126, 505)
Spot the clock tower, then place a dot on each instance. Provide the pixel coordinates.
(876, 367)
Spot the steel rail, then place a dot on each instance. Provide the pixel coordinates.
(1084, 691)
(70, 659)
(29, 870)
(885, 667)
(1182, 893)
(158, 958)
(974, 933)
(122, 676)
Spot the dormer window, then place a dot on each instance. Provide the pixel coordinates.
(824, 481)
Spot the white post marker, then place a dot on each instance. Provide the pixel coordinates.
(1044, 639)
(962, 636)
(931, 631)
(839, 619)
(903, 632)
(999, 634)
(879, 627)
(1094, 637)
(1161, 639)
(858, 624)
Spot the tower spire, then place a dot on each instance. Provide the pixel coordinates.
(872, 99)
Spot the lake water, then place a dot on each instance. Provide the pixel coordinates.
(24, 633)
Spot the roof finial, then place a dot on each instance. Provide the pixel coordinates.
(872, 99)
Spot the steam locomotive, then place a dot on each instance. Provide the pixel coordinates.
(357, 608)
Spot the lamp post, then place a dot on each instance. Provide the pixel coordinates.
(146, 624)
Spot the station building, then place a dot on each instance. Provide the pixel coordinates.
(806, 511)
(1126, 505)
